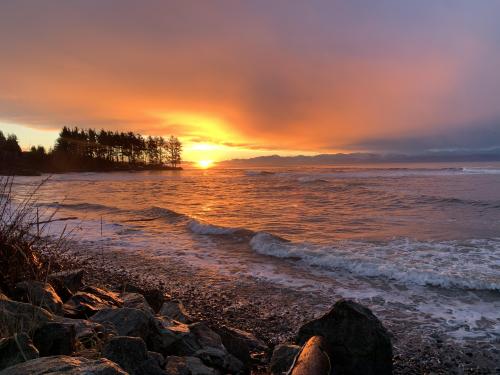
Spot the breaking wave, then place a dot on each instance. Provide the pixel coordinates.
(199, 227)
(473, 264)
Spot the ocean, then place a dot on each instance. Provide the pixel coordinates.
(416, 242)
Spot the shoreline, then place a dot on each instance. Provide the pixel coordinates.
(273, 313)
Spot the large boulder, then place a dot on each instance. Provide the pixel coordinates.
(66, 282)
(240, 343)
(154, 296)
(171, 337)
(358, 342)
(87, 333)
(187, 366)
(55, 338)
(175, 310)
(221, 359)
(283, 358)
(3, 297)
(136, 301)
(112, 298)
(65, 365)
(39, 294)
(71, 280)
(313, 358)
(132, 355)
(83, 305)
(127, 322)
(16, 349)
(21, 317)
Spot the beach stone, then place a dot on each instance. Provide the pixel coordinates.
(172, 337)
(187, 366)
(131, 354)
(55, 338)
(158, 357)
(16, 349)
(195, 337)
(87, 333)
(357, 340)
(136, 301)
(240, 343)
(283, 357)
(154, 296)
(71, 280)
(149, 367)
(221, 359)
(3, 297)
(127, 321)
(112, 298)
(65, 365)
(175, 310)
(206, 337)
(18, 317)
(83, 305)
(39, 294)
(313, 358)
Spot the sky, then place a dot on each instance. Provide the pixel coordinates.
(236, 79)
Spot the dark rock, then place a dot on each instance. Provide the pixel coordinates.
(3, 297)
(16, 349)
(65, 365)
(87, 333)
(194, 337)
(358, 342)
(112, 298)
(127, 322)
(55, 338)
(149, 367)
(175, 310)
(313, 358)
(21, 317)
(221, 359)
(187, 366)
(71, 280)
(154, 296)
(83, 305)
(205, 336)
(160, 360)
(39, 294)
(283, 358)
(136, 301)
(240, 343)
(131, 354)
(172, 337)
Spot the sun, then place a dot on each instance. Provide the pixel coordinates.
(204, 164)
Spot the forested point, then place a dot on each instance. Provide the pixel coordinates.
(77, 150)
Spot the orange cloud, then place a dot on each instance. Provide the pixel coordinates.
(248, 77)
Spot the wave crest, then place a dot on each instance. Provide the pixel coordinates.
(404, 260)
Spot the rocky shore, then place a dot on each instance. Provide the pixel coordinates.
(230, 326)
(65, 324)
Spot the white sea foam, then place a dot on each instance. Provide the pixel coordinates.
(199, 227)
(473, 264)
(308, 179)
(481, 170)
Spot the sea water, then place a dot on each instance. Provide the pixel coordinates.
(418, 241)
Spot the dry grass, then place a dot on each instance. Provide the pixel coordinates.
(25, 253)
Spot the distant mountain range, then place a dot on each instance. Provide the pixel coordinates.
(363, 158)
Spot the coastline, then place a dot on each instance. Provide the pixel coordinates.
(271, 312)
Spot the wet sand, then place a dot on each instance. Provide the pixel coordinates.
(274, 313)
